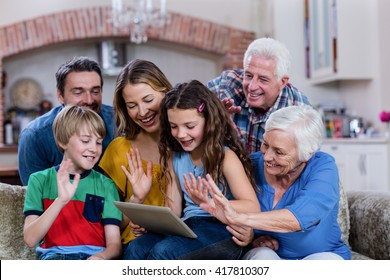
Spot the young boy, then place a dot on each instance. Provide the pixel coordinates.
(70, 207)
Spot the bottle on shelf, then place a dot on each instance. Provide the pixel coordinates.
(8, 132)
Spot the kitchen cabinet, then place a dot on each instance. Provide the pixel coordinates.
(363, 163)
(338, 40)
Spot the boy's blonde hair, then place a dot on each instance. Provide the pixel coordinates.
(71, 119)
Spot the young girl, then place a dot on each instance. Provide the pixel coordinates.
(197, 139)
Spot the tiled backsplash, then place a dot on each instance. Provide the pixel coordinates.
(92, 23)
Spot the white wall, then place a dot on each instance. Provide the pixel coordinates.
(362, 98)
(365, 98)
(289, 29)
(249, 15)
(179, 65)
(384, 49)
(282, 19)
(42, 65)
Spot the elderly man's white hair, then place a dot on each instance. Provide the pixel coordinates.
(271, 49)
(304, 123)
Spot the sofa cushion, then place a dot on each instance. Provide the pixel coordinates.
(12, 244)
(357, 256)
(370, 223)
(343, 218)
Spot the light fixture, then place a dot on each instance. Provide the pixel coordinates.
(138, 17)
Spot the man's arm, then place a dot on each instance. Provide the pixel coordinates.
(31, 156)
(27, 152)
(225, 86)
(36, 227)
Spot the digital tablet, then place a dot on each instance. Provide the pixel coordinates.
(156, 219)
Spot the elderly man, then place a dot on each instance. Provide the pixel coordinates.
(259, 89)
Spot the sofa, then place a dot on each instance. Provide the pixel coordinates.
(364, 218)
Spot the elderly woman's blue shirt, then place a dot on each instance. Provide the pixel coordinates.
(314, 200)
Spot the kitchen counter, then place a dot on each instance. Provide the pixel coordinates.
(363, 163)
(377, 140)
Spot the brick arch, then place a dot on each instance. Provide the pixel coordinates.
(93, 23)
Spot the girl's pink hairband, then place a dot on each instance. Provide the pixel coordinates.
(201, 107)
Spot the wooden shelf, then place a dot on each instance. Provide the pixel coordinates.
(8, 170)
(9, 174)
(8, 148)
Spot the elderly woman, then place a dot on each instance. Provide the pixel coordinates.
(299, 192)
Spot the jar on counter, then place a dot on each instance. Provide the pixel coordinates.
(356, 126)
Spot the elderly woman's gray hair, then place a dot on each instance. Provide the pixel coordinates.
(305, 124)
(271, 49)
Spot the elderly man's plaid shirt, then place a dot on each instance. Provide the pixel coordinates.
(250, 125)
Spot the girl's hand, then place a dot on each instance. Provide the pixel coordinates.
(218, 205)
(195, 189)
(66, 189)
(266, 241)
(137, 230)
(140, 181)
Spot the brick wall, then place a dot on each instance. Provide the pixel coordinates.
(93, 23)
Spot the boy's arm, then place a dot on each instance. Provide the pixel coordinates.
(36, 227)
(113, 244)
